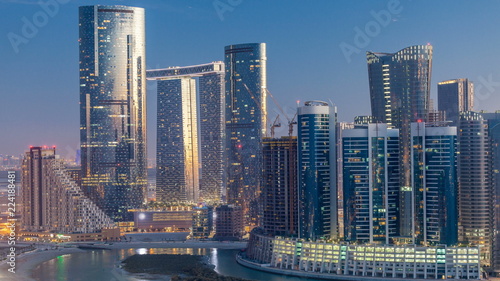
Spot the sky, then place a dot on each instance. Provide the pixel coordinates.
(316, 50)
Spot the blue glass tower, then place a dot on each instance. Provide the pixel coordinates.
(113, 107)
(400, 93)
(245, 112)
(494, 136)
(317, 171)
(455, 96)
(370, 183)
(434, 178)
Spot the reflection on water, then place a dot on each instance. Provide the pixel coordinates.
(102, 265)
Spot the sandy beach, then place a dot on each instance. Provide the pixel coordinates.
(25, 263)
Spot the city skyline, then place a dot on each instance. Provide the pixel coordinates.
(284, 66)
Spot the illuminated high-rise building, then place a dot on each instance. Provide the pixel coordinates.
(455, 96)
(190, 133)
(400, 93)
(279, 191)
(493, 120)
(434, 179)
(113, 107)
(317, 171)
(52, 201)
(476, 189)
(178, 154)
(370, 183)
(245, 123)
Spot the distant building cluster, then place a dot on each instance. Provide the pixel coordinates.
(407, 180)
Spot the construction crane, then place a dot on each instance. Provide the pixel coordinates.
(290, 125)
(275, 124)
(291, 122)
(259, 104)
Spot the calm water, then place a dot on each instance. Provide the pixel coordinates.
(100, 265)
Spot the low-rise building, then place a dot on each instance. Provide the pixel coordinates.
(364, 260)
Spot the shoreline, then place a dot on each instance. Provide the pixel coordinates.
(27, 262)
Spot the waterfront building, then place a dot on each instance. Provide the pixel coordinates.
(434, 179)
(113, 107)
(245, 124)
(383, 261)
(51, 201)
(476, 189)
(455, 96)
(169, 219)
(344, 261)
(203, 221)
(400, 92)
(190, 142)
(370, 157)
(279, 192)
(228, 222)
(317, 183)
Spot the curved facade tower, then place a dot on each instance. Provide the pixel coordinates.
(400, 92)
(113, 107)
(317, 182)
(245, 112)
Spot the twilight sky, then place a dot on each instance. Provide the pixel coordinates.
(315, 50)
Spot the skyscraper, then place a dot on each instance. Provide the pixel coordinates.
(52, 201)
(475, 174)
(371, 180)
(493, 120)
(245, 123)
(113, 107)
(183, 146)
(400, 92)
(434, 179)
(177, 141)
(279, 191)
(455, 96)
(317, 171)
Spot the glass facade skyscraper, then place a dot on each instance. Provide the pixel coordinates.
(370, 183)
(190, 133)
(434, 179)
(113, 107)
(245, 124)
(317, 171)
(476, 189)
(177, 155)
(493, 120)
(400, 94)
(455, 96)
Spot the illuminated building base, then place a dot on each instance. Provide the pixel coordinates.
(344, 260)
